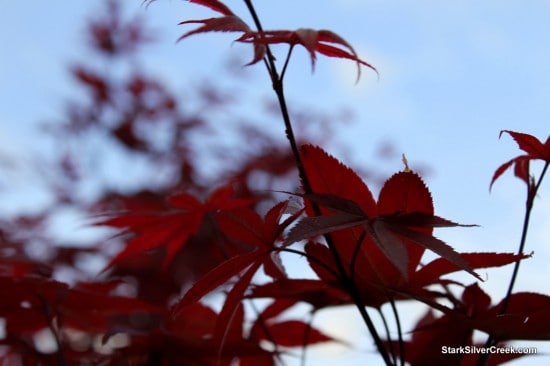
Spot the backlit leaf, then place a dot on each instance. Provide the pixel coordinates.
(313, 41)
(535, 149)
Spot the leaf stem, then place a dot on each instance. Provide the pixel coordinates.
(286, 61)
(353, 264)
(277, 84)
(356, 254)
(399, 331)
(388, 334)
(528, 209)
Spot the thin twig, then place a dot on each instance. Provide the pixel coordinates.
(348, 284)
(356, 254)
(283, 72)
(399, 331)
(483, 358)
(388, 334)
(529, 207)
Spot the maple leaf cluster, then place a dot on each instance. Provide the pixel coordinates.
(195, 258)
(314, 41)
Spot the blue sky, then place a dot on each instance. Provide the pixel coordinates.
(452, 75)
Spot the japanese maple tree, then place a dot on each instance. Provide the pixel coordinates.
(199, 277)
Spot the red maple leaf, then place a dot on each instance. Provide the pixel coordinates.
(245, 227)
(35, 302)
(319, 294)
(399, 225)
(172, 226)
(314, 41)
(379, 243)
(286, 333)
(535, 149)
(229, 22)
(432, 343)
(527, 315)
(188, 339)
(373, 286)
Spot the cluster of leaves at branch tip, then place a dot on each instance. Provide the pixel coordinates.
(314, 41)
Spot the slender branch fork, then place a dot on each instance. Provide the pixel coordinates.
(531, 194)
(528, 209)
(346, 281)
